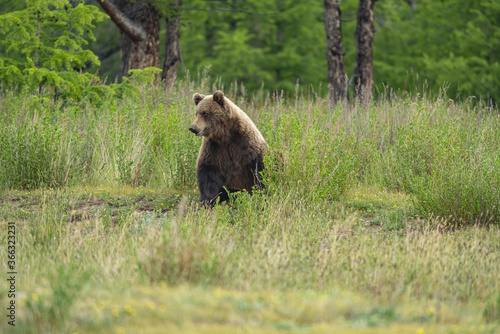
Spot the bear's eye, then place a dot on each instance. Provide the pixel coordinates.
(204, 114)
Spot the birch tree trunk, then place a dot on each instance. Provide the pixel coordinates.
(337, 85)
(363, 72)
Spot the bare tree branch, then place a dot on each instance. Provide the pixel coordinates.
(131, 29)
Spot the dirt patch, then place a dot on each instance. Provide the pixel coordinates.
(93, 202)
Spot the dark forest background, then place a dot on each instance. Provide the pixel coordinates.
(275, 43)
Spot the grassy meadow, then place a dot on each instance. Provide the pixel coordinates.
(385, 218)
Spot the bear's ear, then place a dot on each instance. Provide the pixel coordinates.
(197, 97)
(219, 97)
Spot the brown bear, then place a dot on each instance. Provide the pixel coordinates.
(232, 150)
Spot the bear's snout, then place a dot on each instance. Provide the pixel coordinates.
(195, 130)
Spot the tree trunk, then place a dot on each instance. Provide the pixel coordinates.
(363, 72)
(172, 48)
(337, 85)
(140, 32)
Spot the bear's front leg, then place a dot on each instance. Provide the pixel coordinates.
(211, 184)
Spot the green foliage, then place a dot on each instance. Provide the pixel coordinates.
(281, 42)
(43, 46)
(444, 42)
(450, 162)
(274, 43)
(315, 165)
(39, 148)
(466, 193)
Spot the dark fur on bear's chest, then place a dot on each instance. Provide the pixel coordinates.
(232, 165)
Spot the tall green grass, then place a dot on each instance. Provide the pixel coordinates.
(87, 253)
(445, 153)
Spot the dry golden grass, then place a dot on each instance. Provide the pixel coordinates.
(264, 265)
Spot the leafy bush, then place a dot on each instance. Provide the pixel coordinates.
(449, 161)
(463, 187)
(41, 152)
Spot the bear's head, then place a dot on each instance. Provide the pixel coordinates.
(212, 116)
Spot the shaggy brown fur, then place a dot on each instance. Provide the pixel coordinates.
(231, 154)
